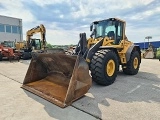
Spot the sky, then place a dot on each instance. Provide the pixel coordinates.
(65, 19)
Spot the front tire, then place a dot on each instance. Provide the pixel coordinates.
(104, 67)
(133, 64)
(26, 56)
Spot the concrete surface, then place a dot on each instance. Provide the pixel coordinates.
(130, 97)
(14, 70)
(17, 104)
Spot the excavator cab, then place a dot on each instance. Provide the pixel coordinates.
(36, 44)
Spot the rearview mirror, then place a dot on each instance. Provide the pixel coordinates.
(91, 27)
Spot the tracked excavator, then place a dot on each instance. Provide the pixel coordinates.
(34, 45)
(62, 79)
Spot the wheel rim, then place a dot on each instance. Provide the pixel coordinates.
(110, 68)
(135, 63)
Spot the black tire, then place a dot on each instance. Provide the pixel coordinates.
(1, 57)
(26, 56)
(98, 67)
(130, 70)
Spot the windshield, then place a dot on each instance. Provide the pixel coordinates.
(105, 28)
(36, 43)
(110, 28)
(9, 44)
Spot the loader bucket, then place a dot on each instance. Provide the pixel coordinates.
(58, 78)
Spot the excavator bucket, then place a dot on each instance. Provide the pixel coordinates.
(58, 78)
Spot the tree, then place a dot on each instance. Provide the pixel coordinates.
(48, 45)
(158, 53)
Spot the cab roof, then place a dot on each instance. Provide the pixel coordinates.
(113, 19)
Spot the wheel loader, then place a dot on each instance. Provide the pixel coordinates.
(62, 79)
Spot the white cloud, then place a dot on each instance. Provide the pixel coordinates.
(62, 37)
(16, 9)
(46, 2)
(85, 11)
(94, 7)
(56, 11)
(139, 34)
(61, 16)
(145, 14)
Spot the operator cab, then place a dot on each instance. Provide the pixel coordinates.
(112, 28)
(35, 44)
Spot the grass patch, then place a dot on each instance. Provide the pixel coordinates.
(158, 53)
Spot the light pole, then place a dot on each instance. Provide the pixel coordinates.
(144, 43)
(148, 37)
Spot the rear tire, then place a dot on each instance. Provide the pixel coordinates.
(101, 73)
(133, 64)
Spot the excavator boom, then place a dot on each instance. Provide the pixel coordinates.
(39, 29)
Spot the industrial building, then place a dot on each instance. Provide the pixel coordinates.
(145, 45)
(10, 29)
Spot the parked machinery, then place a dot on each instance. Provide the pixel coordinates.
(62, 79)
(7, 50)
(36, 45)
(150, 53)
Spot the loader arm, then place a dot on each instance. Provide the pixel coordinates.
(39, 29)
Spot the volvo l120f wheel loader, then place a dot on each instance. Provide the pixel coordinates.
(61, 78)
